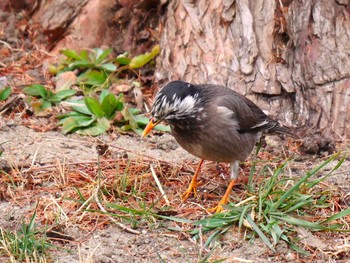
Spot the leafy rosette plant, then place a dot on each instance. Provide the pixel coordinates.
(42, 98)
(91, 116)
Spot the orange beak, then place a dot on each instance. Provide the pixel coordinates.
(149, 127)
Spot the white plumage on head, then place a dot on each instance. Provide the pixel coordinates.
(175, 106)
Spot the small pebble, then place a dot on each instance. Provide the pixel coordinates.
(290, 256)
(10, 123)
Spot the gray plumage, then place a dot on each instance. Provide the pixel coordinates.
(213, 122)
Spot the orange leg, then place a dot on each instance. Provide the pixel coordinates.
(224, 199)
(192, 188)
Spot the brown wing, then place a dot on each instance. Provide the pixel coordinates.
(250, 117)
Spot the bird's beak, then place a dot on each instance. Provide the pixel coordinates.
(149, 127)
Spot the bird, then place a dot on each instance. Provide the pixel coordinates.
(212, 122)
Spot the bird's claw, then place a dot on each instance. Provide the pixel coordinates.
(220, 207)
(192, 189)
(187, 194)
(216, 209)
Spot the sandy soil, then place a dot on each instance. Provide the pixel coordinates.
(28, 148)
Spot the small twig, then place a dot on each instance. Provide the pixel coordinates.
(234, 259)
(61, 171)
(85, 210)
(34, 157)
(270, 170)
(59, 207)
(245, 201)
(33, 162)
(202, 207)
(83, 205)
(201, 244)
(6, 44)
(281, 4)
(159, 185)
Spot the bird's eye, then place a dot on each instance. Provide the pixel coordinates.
(170, 115)
(171, 112)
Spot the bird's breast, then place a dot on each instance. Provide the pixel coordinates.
(188, 135)
(221, 143)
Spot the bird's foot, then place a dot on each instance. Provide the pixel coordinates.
(217, 209)
(224, 200)
(192, 189)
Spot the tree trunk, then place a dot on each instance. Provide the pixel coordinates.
(290, 57)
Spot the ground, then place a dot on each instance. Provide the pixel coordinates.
(38, 153)
(70, 180)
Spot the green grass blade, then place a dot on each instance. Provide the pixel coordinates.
(298, 249)
(213, 222)
(276, 232)
(301, 222)
(302, 180)
(336, 216)
(263, 237)
(161, 260)
(214, 235)
(317, 181)
(176, 219)
(272, 181)
(80, 195)
(243, 215)
(125, 209)
(300, 202)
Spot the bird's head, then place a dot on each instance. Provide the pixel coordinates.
(175, 102)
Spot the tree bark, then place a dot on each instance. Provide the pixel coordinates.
(290, 57)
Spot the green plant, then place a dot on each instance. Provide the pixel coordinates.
(138, 61)
(97, 67)
(132, 216)
(93, 59)
(93, 117)
(5, 93)
(42, 98)
(25, 244)
(273, 212)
